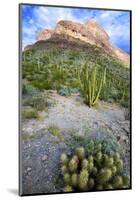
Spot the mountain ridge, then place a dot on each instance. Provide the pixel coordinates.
(89, 33)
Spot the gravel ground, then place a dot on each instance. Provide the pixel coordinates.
(41, 150)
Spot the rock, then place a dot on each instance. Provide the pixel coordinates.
(28, 169)
(45, 34)
(44, 157)
(97, 30)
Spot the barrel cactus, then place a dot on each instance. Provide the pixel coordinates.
(74, 179)
(63, 158)
(85, 171)
(80, 152)
(68, 188)
(72, 165)
(83, 179)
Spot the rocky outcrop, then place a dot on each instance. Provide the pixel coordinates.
(45, 34)
(90, 32)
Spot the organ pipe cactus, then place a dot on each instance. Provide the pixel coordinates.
(84, 171)
(92, 84)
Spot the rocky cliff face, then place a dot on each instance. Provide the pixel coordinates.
(45, 34)
(91, 33)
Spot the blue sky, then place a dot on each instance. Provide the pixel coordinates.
(35, 18)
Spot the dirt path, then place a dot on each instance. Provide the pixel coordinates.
(72, 113)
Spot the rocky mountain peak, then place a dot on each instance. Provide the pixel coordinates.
(92, 22)
(90, 32)
(96, 29)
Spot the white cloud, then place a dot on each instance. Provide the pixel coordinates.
(44, 18)
(117, 25)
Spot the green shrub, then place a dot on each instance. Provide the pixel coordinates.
(27, 137)
(30, 113)
(54, 130)
(106, 145)
(65, 91)
(39, 102)
(29, 90)
(42, 84)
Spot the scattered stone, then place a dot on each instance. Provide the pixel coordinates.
(28, 169)
(44, 157)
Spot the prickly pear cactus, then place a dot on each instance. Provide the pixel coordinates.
(85, 171)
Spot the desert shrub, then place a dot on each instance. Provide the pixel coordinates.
(65, 91)
(83, 171)
(125, 103)
(54, 130)
(75, 83)
(74, 90)
(42, 84)
(39, 102)
(52, 68)
(27, 137)
(30, 113)
(28, 89)
(106, 145)
(95, 141)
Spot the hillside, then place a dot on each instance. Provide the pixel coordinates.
(40, 64)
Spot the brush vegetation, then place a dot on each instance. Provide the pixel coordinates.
(93, 73)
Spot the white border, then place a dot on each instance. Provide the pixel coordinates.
(9, 97)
